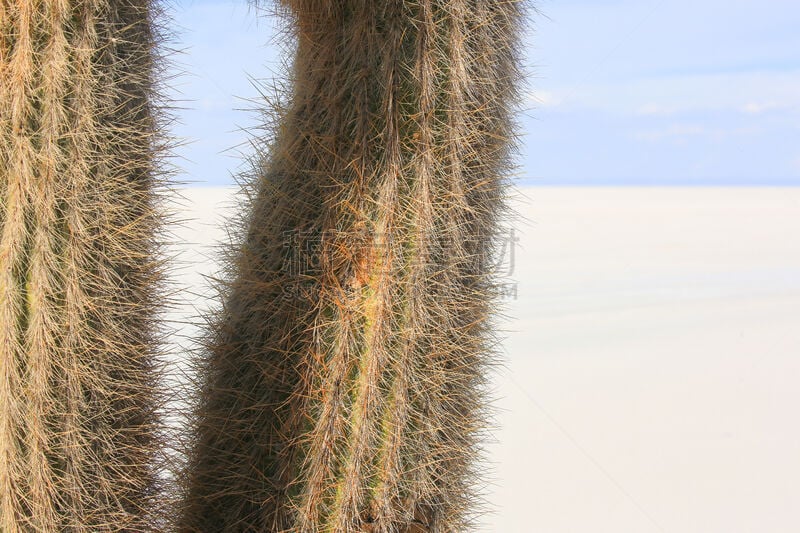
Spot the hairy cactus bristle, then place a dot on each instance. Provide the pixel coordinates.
(344, 382)
(79, 267)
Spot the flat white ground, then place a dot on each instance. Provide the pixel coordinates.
(652, 372)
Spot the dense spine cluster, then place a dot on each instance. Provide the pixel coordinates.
(344, 385)
(79, 274)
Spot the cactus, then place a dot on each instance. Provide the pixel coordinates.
(343, 385)
(79, 267)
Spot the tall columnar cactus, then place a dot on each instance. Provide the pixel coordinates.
(78, 274)
(345, 376)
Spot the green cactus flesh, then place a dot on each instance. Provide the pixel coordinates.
(345, 377)
(78, 287)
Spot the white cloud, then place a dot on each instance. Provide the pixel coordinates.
(747, 92)
(682, 132)
(543, 99)
(757, 108)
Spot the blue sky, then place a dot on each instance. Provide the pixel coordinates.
(650, 92)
